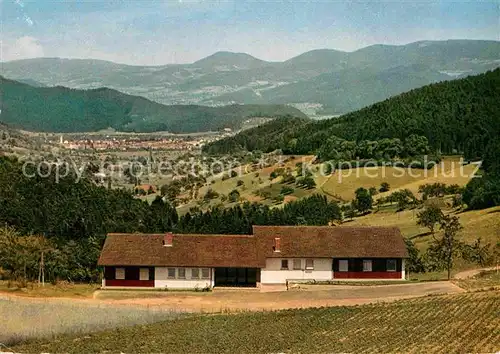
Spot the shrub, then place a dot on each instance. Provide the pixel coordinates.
(285, 190)
(211, 194)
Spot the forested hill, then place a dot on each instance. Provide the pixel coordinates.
(455, 116)
(60, 109)
(267, 137)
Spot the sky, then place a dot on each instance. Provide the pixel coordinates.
(148, 32)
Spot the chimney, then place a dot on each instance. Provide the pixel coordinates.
(168, 239)
(277, 244)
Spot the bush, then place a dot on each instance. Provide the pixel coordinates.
(384, 187)
(285, 190)
(211, 194)
(233, 196)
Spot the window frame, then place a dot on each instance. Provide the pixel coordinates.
(299, 262)
(208, 272)
(179, 276)
(120, 270)
(392, 261)
(144, 271)
(311, 267)
(343, 262)
(284, 264)
(168, 273)
(197, 270)
(367, 262)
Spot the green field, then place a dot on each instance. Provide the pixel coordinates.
(467, 322)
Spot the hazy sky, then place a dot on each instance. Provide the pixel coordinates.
(161, 32)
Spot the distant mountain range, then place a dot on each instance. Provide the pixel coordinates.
(337, 81)
(61, 109)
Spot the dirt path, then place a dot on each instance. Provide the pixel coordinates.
(220, 300)
(471, 273)
(309, 296)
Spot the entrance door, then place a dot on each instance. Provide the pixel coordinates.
(244, 277)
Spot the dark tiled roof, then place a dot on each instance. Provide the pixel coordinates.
(186, 250)
(331, 242)
(252, 250)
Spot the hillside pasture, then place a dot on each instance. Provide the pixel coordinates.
(344, 183)
(476, 223)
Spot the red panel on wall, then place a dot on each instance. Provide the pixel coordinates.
(131, 283)
(367, 275)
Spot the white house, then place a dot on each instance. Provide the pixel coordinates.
(271, 255)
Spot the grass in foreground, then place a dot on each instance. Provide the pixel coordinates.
(49, 290)
(25, 318)
(467, 322)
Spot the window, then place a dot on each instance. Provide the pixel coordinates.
(367, 265)
(144, 274)
(391, 265)
(120, 273)
(181, 273)
(343, 265)
(195, 273)
(309, 263)
(205, 273)
(297, 264)
(171, 273)
(284, 264)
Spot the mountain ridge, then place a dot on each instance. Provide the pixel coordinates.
(62, 109)
(228, 78)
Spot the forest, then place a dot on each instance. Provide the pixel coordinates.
(60, 109)
(453, 117)
(459, 116)
(68, 219)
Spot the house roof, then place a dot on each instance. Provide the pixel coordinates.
(331, 242)
(251, 251)
(187, 250)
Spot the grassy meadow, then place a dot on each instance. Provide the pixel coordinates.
(340, 185)
(476, 223)
(345, 182)
(467, 322)
(23, 318)
(490, 278)
(66, 290)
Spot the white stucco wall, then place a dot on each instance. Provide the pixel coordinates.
(403, 269)
(273, 274)
(162, 281)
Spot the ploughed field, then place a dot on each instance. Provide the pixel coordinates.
(466, 322)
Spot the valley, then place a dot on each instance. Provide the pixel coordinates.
(341, 201)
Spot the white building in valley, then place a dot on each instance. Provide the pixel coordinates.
(271, 255)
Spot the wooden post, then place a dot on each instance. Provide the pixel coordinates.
(43, 270)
